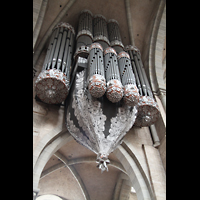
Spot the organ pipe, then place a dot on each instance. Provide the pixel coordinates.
(114, 35)
(148, 111)
(131, 94)
(84, 36)
(100, 31)
(97, 81)
(52, 84)
(114, 86)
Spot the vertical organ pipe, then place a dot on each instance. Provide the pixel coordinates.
(100, 31)
(84, 36)
(144, 74)
(114, 35)
(52, 84)
(135, 72)
(97, 81)
(148, 111)
(131, 94)
(114, 86)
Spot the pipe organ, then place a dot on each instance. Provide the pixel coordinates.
(52, 84)
(109, 91)
(148, 111)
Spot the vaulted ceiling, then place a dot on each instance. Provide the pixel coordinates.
(142, 16)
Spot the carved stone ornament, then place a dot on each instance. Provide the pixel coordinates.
(97, 124)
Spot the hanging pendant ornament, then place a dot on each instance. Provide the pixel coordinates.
(102, 161)
(96, 123)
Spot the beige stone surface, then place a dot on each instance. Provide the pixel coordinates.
(62, 183)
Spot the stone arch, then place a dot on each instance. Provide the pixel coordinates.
(134, 167)
(50, 136)
(48, 196)
(50, 149)
(157, 44)
(78, 161)
(44, 156)
(43, 41)
(142, 187)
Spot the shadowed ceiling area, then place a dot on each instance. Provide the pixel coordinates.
(142, 13)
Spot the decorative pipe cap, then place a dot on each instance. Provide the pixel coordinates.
(97, 85)
(123, 54)
(88, 11)
(113, 21)
(131, 47)
(114, 90)
(52, 86)
(66, 25)
(109, 50)
(95, 45)
(131, 95)
(100, 16)
(148, 112)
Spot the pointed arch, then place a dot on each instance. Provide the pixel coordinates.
(142, 188)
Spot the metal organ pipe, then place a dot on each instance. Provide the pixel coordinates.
(52, 84)
(131, 94)
(114, 86)
(148, 111)
(135, 72)
(84, 36)
(100, 31)
(114, 35)
(97, 81)
(144, 74)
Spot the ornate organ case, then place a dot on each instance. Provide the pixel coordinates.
(106, 93)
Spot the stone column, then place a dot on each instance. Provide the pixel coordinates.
(154, 134)
(35, 193)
